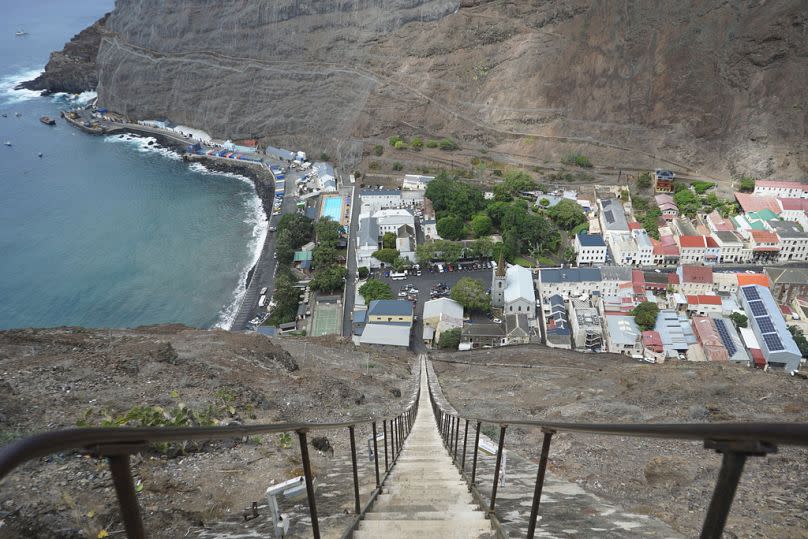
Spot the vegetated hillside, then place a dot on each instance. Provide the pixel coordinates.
(667, 479)
(714, 86)
(61, 378)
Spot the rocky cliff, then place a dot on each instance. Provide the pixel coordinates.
(715, 86)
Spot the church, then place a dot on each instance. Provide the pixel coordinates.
(512, 290)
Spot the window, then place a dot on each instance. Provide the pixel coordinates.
(511, 308)
(520, 309)
(500, 284)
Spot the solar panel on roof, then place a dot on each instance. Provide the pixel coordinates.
(609, 216)
(765, 324)
(758, 309)
(723, 332)
(773, 342)
(751, 293)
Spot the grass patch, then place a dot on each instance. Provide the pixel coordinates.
(544, 261)
(524, 262)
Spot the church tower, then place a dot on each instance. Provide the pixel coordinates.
(498, 283)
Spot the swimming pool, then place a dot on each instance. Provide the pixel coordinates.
(332, 208)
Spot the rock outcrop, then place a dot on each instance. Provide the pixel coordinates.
(714, 86)
(72, 69)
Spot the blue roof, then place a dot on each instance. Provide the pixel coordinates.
(359, 317)
(389, 307)
(591, 240)
(570, 275)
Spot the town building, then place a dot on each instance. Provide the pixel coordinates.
(793, 241)
(716, 223)
(482, 335)
(702, 305)
(695, 280)
(653, 350)
(623, 336)
(517, 329)
(374, 200)
(367, 242)
(796, 210)
(387, 322)
(675, 333)
(556, 325)
(441, 314)
(765, 245)
(782, 189)
(666, 250)
(698, 250)
(512, 290)
(568, 282)
(416, 182)
(663, 181)
(732, 247)
(612, 217)
(585, 325)
(590, 249)
(667, 206)
(788, 284)
(326, 179)
(614, 279)
(765, 319)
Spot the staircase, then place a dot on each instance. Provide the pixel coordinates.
(424, 495)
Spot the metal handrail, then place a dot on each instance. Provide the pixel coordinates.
(735, 441)
(116, 444)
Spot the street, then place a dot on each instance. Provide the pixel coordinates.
(350, 278)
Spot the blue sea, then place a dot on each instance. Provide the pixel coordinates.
(104, 231)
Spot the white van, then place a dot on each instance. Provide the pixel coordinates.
(398, 276)
(262, 301)
(264, 291)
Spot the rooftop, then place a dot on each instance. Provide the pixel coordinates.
(703, 300)
(570, 275)
(379, 192)
(780, 184)
(591, 240)
(719, 223)
(728, 237)
(697, 274)
(764, 236)
(389, 307)
(788, 229)
(484, 329)
(519, 284)
(750, 202)
(614, 216)
(615, 273)
(780, 275)
(622, 329)
(756, 278)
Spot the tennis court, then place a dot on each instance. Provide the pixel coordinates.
(331, 207)
(326, 319)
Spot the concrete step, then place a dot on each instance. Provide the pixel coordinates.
(443, 529)
(465, 514)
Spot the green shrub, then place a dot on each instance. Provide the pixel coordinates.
(394, 139)
(417, 143)
(400, 145)
(701, 186)
(398, 166)
(448, 144)
(378, 150)
(576, 159)
(432, 143)
(325, 157)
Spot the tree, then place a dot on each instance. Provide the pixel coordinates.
(739, 319)
(363, 272)
(325, 157)
(650, 222)
(327, 230)
(378, 150)
(388, 256)
(481, 225)
(567, 214)
(417, 143)
(286, 298)
(645, 315)
(644, 180)
(471, 294)
(329, 279)
(394, 139)
(746, 185)
(389, 240)
(514, 183)
(799, 339)
(324, 256)
(299, 226)
(375, 289)
(450, 195)
(483, 248)
(449, 339)
(451, 227)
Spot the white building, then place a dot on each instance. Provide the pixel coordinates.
(416, 182)
(781, 189)
(590, 249)
(326, 179)
(612, 217)
(623, 336)
(585, 323)
(512, 290)
(568, 282)
(793, 241)
(374, 200)
(440, 315)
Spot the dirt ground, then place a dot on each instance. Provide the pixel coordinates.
(57, 378)
(667, 479)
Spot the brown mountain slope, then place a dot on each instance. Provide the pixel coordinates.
(714, 86)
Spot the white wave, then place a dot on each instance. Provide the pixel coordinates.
(75, 100)
(142, 145)
(258, 218)
(7, 92)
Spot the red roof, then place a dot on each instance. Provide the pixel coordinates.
(703, 300)
(780, 184)
(750, 202)
(785, 309)
(719, 223)
(634, 225)
(692, 241)
(697, 274)
(753, 278)
(673, 278)
(794, 203)
(764, 236)
(652, 339)
(758, 358)
(711, 241)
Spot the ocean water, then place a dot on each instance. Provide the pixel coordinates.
(107, 231)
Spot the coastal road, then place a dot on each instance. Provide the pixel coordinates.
(264, 274)
(350, 278)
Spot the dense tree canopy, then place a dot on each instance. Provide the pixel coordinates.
(481, 225)
(388, 256)
(739, 319)
(451, 195)
(746, 185)
(451, 227)
(645, 315)
(389, 240)
(286, 298)
(294, 231)
(449, 251)
(329, 279)
(515, 182)
(567, 214)
(471, 294)
(449, 339)
(375, 289)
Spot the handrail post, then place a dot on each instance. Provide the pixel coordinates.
(355, 474)
(127, 497)
(457, 437)
(376, 454)
(384, 426)
(534, 511)
(476, 447)
(500, 449)
(465, 438)
(732, 463)
(304, 456)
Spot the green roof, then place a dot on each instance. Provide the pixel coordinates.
(301, 256)
(765, 215)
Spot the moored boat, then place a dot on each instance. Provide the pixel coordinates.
(47, 120)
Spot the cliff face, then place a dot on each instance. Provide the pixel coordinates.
(72, 69)
(715, 86)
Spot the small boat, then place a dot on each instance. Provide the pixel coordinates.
(18, 114)
(47, 120)
(19, 33)
(39, 154)
(8, 143)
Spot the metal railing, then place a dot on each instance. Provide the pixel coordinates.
(118, 443)
(734, 441)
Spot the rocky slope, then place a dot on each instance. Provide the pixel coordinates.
(72, 69)
(58, 378)
(715, 87)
